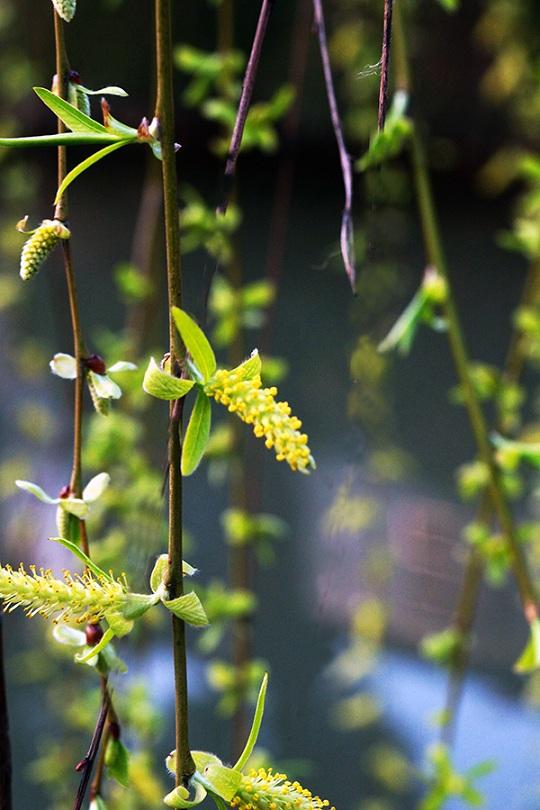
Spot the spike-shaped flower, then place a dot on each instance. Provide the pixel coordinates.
(265, 790)
(271, 420)
(79, 598)
(42, 241)
(65, 8)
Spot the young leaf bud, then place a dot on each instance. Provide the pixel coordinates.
(65, 8)
(100, 404)
(41, 243)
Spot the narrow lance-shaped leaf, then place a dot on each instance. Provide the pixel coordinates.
(196, 343)
(74, 119)
(162, 385)
(255, 726)
(197, 434)
(61, 139)
(79, 553)
(85, 164)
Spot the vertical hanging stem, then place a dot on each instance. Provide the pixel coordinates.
(164, 112)
(385, 63)
(61, 213)
(346, 235)
(5, 744)
(435, 256)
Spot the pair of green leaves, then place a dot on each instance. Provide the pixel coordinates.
(202, 365)
(84, 130)
(212, 778)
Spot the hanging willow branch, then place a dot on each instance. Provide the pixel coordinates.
(346, 235)
(385, 63)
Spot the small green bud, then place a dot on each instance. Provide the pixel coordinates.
(65, 8)
(41, 243)
(78, 98)
(435, 286)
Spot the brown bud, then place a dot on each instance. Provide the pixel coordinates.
(95, 363)
(94, 634)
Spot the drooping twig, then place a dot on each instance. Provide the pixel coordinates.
(5, 744)
(284, 183)
(385, 63)
(245, 101)
(346, 235)
(435, 257)
(467, 604)
(87, 763)
(164, 112)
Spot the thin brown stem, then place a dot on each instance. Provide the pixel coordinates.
(164, 112)
(245, 101)
(385, 63)
(87, 763)
(5, 742)
(346, 235)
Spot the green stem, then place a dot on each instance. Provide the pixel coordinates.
(185, 767)
(61, 213)
(435, 256)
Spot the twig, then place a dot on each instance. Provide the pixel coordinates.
(87, 763)
(385, 63)
(435, 256)
(346, 235)
(472, 577)
(185, 767)
(284, 183)
(5, 743)
(245, 101)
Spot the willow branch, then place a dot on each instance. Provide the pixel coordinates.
(467, 604)
(87, 763)
(385, 63)
(5, 742)
(346, 235)
(245, 101)
(164, 112)
(435, 256)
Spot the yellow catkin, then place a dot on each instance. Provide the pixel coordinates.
(79, 598)
(271, 420)
(265, 790)
(41, 243)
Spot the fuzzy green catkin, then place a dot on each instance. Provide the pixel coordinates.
(65, 8)
(76, 598)
(41, 243)
(266, 790)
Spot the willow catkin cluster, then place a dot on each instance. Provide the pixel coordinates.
(265, 790)
(40, 244)
(75, 598)
(271, 420)
(65, 8)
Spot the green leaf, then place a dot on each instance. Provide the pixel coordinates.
(255, 726)
(188, 608)
(179, 797)
(388, 142)
(60, 139)
(117, 761)
(196, 343)
(162, 385)
(111, 90)
(85, 164)
(529, 660)
(219, 779)
(92, 652)
(251, 367)
(78, 552)
(74, 119)
(197, 434)
(161, 566)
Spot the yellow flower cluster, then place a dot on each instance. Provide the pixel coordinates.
(80, 598)
(265, 790)
(41, 243)
(271, 420)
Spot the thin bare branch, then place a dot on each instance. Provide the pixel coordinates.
(385, 63)
(346, 235)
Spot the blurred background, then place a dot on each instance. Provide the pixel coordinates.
(329, 581)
